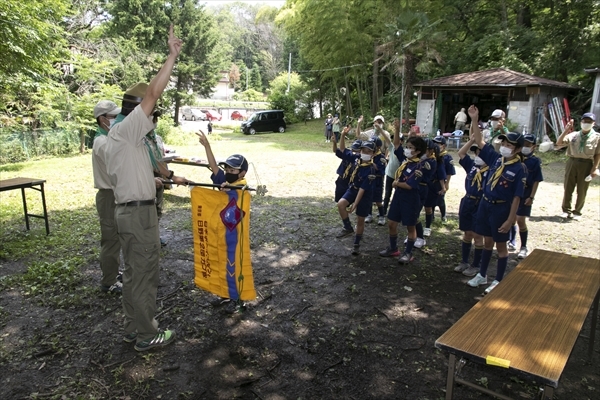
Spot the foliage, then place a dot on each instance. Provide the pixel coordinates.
(293, 102)
(249, 95)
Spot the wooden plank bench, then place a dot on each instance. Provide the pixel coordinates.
(23, 183)
(529, 323)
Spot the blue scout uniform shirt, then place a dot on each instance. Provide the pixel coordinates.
(346, 166)
(534, 173)
(363, 176)
(476, 177)
(380, 162)
(410, 172)
(510, 184)
(448, 163)
(219, 178)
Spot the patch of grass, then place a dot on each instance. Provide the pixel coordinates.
(551, 157)
(12, 167)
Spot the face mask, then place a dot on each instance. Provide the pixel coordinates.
(505, 151)
(478, 161)
(230, 178)
(365, 157)
(407, 153)
(495, 124)
(586, 126)
(111, 123)
(526, 151)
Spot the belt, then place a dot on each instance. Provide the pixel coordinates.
(578, 159)
(139, 203)
(473, 197)
(421, 183)
(494, 201)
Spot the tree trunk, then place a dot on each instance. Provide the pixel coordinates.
(348, 102)
(177, 102)
(375, 93)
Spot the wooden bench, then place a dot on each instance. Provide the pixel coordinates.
(23, 183)
(529, 323)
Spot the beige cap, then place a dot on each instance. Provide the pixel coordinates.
(106, 107)
(136, 93)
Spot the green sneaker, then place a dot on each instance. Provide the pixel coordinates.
(162, 338)
(130, 337)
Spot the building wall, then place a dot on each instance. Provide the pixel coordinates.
(425, 114)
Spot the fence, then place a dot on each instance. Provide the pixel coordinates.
(18, 145)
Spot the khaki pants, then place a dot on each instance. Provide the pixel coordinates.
(575, 172)
(138, 232)
(110, 247)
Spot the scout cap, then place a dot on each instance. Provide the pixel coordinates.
(497, 114)
(376, 140)
(530, 138)
(236, 161)
(367, 144)
(439, 140)
(513, 138)
(474, 148)
(431, 144)
(106, 107)
(356, 145)
(378, 117)
(589, 115)
(136, 93)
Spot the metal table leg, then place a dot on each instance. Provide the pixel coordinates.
(450, 378)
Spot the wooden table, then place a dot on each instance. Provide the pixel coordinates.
(23, 183)
(529, 323)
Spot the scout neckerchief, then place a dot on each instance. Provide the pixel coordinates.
(478, 178)
(583, 137)
(153, 150)
(443, 153)
(347, 170)
(498, 173)
(402, 166)
(360, 164)
(100, 132)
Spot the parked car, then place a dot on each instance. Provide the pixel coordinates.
(212, 115)
(192, 114)
(264, 121)
(237, 116)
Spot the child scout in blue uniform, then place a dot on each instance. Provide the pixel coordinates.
(346, 166)
(502, 192)
(427, 165)
(234, 168)
(534, 177)
(359, 195)
(477, 172)
(406, 204)
(449, 167)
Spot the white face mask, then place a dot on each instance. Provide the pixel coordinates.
(505, 151)
(495, 124)
(478, 161)
(527, 151)
(365, 157)
(407, 153)
(111, 123)
(586, 126)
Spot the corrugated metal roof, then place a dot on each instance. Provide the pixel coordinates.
(502, 77)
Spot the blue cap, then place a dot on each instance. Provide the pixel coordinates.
(236, 161)
(530, 138)
(439, 140)
(589, 115)
(368, 145)
(513, 138)
(376, 140)
(356, 145)
(431, 144)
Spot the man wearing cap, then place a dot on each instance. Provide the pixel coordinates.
(497, 211)
(460, 120)
(131, 161)
(497, 128)
(105, 113)
(584, 156)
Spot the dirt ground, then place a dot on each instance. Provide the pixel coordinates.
(326, 325)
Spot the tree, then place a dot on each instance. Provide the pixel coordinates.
(294, 102)
(255, 78)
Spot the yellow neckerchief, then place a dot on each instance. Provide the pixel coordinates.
(239, 182)
(361, 164)
(478, 178)
(498, 173)
(443, 153)
(402, 166)
(347, 171)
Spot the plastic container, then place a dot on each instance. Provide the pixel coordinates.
(546, 146)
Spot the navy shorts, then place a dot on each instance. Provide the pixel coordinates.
(423, 191)
(432, 194)
(490, 217)
(366, 203)
(378, 191)
(523, 210)
(341, 186)
(405, 207)
(467, 212)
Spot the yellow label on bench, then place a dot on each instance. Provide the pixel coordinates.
(498, 362)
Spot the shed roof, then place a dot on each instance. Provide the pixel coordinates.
(494, 77)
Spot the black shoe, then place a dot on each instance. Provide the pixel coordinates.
(345, 232)
(163, 242)
(356, 250)
(219, 301)
(115, 288)
(120, 277)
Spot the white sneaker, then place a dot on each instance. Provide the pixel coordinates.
(420, 243)
(471, 271)
(565, 215)
(511, 247)
(523, 253)
(381, 220)
(461, 267)
(576, 217)
(491, 287)
(426, 232)
(369, 218)
(477, 281)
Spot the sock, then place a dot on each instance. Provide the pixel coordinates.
(477, 256)
(347, 225)
(381, 212)
(512, 234)
(419, 230)
(502, 262)
(523, 234)
(394, 242)
(409, 246)
(486, 256)
(357, 239)
(428, 219)
(466, 250)
(442, 206)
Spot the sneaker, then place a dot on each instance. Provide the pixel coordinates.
(426, 232)
(120, 277)
(461, 267)
(389, 252)
(231, 307)
(444, 220)
(406, 258)
(381, 220)
(471, 271)
(511, 246)
(523, 253)
(565, 215)
(163, 242)
(130, 337)
(477, 281)
(219, 301)
(356, 250)
(345, 232)
(419, 242)
(369, 218)
(491, 287)
(162, 338)
(115, 288)
(405, 240)
(576, 217)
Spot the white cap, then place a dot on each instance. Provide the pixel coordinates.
(378, 117)
(498, 114)
(106, 107)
